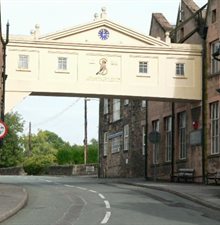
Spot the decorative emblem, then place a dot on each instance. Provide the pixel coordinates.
(103, 69)
(103, 34)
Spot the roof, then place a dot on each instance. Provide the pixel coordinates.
(160, 18)
(191, 5)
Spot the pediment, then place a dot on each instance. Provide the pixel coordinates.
(91, 33)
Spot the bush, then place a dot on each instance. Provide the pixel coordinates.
(37, 165)
(70, 156)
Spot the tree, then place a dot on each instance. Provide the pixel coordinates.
(93, 151)
(44, 143)
(11, 152)
(71, 155)
(41, 151)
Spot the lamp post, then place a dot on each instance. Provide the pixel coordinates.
(4, 76)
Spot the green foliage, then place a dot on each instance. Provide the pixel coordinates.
(72, 155)
(93, 152)
(36, 165)
(11, 153)
(38, 151)
(44, 143)
(75, 154)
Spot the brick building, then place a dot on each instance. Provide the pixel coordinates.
(189, 131)
(174, 120)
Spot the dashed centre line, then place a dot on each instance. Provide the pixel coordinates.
(81, 188)
(107, 204)
(106, 218)
(101, 196)
(93, 191)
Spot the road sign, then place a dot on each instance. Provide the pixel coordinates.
(3, 129)
(154, 137)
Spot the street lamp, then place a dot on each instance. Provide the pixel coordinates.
(4, 76)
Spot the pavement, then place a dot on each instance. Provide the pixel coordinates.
(14, 198)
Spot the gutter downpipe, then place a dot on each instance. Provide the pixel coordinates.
(173, 141)
(204, 98)
(146, 143)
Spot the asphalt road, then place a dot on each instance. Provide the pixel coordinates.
(90, 201)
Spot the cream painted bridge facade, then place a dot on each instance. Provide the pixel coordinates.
(98, 59)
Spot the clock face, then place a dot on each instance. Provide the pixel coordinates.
(103, 34)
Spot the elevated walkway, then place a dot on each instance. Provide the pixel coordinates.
(101, 59)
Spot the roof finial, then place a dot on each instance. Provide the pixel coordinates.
(36, 32)
(103, 13)
(96, 16)
(167, 38)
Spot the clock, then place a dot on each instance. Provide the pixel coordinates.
(103, 34)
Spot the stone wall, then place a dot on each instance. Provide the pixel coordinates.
(12, 171)
(89, 169)
(69, 170)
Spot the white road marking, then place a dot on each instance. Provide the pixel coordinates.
(93, 191)
(101, 196)
(107, 204)
(106, 218)
(67, 185)
(81, 188)
(49, 181)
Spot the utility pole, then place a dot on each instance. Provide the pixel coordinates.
(85, 131)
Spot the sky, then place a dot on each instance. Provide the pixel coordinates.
(65, 115)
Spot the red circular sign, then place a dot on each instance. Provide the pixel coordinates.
(3, 129)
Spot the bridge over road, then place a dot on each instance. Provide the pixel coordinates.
(101, 58)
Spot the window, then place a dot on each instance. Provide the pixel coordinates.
(126, 137)
(156, 127)
(143, 140)
(182, 134)
(143, 67)
(214, 108)
(126, 101)
(180, 69)
(215, 65)
(214, 16)
(62, 63)
(23, 62)
(105, 144)
(116, 109)
(168, 138)
(105, 106)
(116, 144)
(143, 103)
